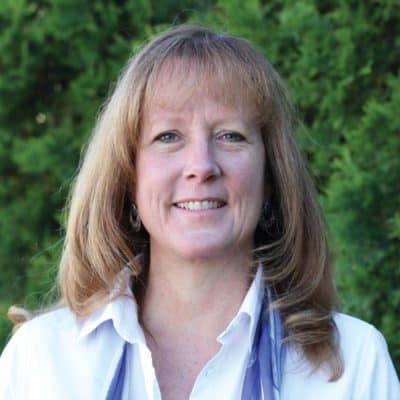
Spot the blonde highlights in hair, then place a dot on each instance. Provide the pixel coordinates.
(99, 239)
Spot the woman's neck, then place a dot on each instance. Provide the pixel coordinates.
(199, 297)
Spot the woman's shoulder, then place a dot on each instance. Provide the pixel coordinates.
(360, 343)
(353, 335)
(345, 322)
(355, 332)
(42, 331)
(368, 371)
(48, 324)
(34, 340)
(52, 350)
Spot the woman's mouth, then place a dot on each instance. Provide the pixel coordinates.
(200, 204)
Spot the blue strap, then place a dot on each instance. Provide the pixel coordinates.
(264, 371)
(117, 384)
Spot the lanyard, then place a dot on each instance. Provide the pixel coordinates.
(264, 371)
(117, 383)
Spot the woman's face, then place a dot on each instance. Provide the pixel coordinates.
(200, 175)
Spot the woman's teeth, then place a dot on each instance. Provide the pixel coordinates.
(200, 205)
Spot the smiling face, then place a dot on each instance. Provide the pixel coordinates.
(200, 173)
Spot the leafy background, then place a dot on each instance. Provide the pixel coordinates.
(340, 59)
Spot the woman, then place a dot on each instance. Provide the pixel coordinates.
(195, 264)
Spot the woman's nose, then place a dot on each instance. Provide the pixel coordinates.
(201, 162)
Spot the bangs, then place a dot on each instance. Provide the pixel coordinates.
(220, 72)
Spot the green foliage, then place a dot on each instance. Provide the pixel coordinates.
(5, 324)
(339, 59)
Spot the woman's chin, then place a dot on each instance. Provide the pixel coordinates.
(207, 250)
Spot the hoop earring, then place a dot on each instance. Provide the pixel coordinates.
(134, 218)
(267, 218)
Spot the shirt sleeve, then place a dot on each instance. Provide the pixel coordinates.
(377, 378)
(14, 361)
(8, 364)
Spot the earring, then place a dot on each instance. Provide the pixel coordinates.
(267, 218)
(134, 218)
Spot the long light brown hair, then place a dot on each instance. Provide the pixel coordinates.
(100, 240)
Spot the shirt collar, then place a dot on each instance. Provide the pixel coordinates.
(248, 313)
(122, 311)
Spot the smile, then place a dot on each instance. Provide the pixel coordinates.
(200, 205)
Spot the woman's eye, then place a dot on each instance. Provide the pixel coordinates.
(233, 137)
(167, 137)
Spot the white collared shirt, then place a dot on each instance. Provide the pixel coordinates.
(54, 357)
(65, 342)
(228, 365)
